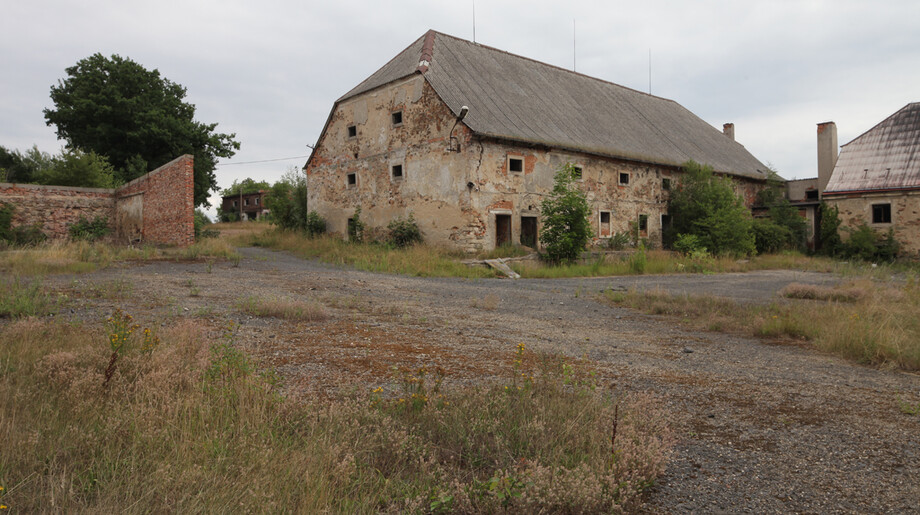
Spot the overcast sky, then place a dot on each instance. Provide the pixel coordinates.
(270, 70)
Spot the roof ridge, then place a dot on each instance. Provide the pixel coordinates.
(879, 124)
(566, 70)
(424, 59)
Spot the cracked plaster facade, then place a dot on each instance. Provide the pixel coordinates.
(456, 197)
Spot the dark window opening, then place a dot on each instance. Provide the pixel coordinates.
(352, 179)
(246, 202)
(397, 118)
(352, 131)
(666, 184)
(515, 164)
(811, 195)
(576, 173)
(624, 179)
(881, 213)
(256, 200)
(643, 223)
(234, 203)
(397, 171)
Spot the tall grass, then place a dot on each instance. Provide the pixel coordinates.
(417, 260)
(870, 323)
(20, 298)
(193, 425)
(75, 257)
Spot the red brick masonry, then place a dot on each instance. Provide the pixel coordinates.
(168, 204)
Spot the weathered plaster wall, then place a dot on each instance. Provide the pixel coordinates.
(155, 208)
(456, 196)
(905, 216)
(55, 208)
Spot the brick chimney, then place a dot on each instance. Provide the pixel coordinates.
(729, 130)
(827, 153)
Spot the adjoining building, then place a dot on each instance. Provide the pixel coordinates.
(468, 138)
(875, 179)
(246, 206)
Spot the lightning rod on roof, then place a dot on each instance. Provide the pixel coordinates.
(573, 44)
(649, 71)
(474, 21)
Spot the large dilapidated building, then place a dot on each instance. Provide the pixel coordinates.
(467, 138)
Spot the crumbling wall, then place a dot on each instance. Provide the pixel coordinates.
(456, 196)
(167, 204)
(156, 208)
(55, 208)
(856, 210)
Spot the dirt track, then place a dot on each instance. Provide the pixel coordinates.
(763, 427)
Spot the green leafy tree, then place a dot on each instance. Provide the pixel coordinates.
(136, 118)
(245, 186)
(566, 218)
(287, 201)
(707, 207)
(790, 227)
(23, 168)
(829, 243)
(77, 168)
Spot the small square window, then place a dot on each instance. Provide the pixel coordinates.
(605, 217)
(811, 195)
(881, 213)
(352, 179)
(577, 173)
(666, 184)
(397, 171)
(515, 164)
(624, 179)
(396, 118)
(352, 131)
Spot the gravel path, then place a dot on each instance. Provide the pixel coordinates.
(763, 427)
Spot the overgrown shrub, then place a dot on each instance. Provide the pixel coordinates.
(201, 222)
(868, 245)
(829, 243)
(90, 230)
(6, 222)
(356, 227)
(19, 235)
(619, 241)
(770, 236)
(706, 206)
(688, 243)
(315, 224)
(287, 201)
(404, 232)
(566, 225)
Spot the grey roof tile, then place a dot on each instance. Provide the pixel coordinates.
(885, 157)
(517, 98)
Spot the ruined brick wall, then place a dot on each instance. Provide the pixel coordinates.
(457, 197)
(905, 216)
(56, 208)
(168, 203)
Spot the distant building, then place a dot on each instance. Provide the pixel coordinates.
(468, 138)
(248, 206)
(875, 180)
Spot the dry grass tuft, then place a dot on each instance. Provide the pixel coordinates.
(488, 303)
(850, 293)
(285, 309)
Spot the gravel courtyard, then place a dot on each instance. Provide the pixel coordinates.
(763, 426)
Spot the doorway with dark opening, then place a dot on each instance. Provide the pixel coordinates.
(502, 230)
(529, 231)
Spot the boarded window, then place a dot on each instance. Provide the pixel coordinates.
(352, 131)
(881, 213)
(397, 118)
(515, 164)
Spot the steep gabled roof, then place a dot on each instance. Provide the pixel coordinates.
(516, 98)
(886, 157)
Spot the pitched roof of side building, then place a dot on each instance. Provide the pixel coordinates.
(519, 99)
(886, 157)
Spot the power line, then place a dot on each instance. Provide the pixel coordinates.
(262, 161)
